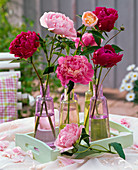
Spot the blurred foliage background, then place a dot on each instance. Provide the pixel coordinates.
(8, 32)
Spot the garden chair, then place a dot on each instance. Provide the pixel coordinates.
(8, 69)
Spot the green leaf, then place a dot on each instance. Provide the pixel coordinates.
(84, 136)
(118, 148)
(59, 54)
(106, 34)
(81, 27)
(97, 34)
(17, 60)
(90, 50)
(70, 86)
(116, 48)
(115, 28)
(48, 70)
(79, 16)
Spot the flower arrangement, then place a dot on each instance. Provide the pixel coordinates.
(79, 67)
(130, 84)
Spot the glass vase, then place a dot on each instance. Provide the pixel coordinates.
(88, 95)
(68, 110)
(44, 131)
(98, 115)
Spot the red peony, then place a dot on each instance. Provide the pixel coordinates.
(106, 56)
(24, 45)
(106, 18)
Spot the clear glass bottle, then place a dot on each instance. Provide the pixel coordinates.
(68, 110)
(99, 122)
(88, 95)
(44, 132)
(63, 94)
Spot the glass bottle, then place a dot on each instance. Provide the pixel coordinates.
(68, 110)
(44, 132)
(88, 95)
(99, 122)
(63, 94)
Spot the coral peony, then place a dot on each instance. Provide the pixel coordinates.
(106, 18)
(58, 23)
(87, 40)
(24, 45)
(68, 136)
(89, 19)
(75, 68)
(106, 56)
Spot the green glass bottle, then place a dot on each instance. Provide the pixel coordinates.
(68, 110)
(88, 95)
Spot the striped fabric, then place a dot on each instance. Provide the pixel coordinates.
(8, 98)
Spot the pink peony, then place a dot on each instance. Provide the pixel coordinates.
(106, 56)
(68, 136)
(58, 23)
(106, 18)
(89, 19)
(87, 39)
(75, 68)
(24, 45)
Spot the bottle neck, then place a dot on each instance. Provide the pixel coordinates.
(99, 90)
(66, 95)
(47, 92)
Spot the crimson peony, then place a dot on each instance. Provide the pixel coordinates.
(24, 45)
(106, 18)
(106, 56)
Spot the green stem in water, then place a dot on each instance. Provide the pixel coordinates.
(68, 107)
(96, 91)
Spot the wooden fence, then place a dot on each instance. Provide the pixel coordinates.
(128, 16)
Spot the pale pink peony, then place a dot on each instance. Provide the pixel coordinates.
(89, 19)
(58, 23)
(75, 68)
(87, 39)
(68, 136)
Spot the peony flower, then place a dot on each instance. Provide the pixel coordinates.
(130, 96)
(131, 67)
(106, 56)
(128, 86)
(75, 68)
(89, 19)
(68, 136)
(106, 18)
(87, 39)
(24, 45)
(58, 23)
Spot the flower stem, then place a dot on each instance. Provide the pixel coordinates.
(113, 36)
(96, 91)
(51, 54)
(43, 103)
(57, 57)
(68, 107)
(105, 75)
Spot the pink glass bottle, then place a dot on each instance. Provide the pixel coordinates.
(44, 132)
(99, 122)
